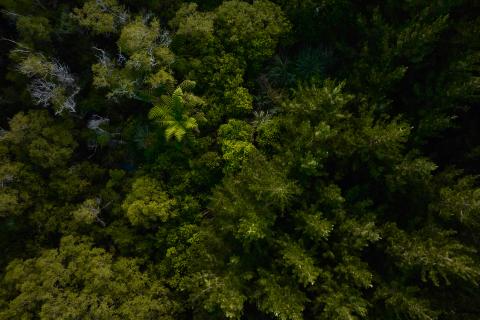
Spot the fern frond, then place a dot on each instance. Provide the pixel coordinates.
(166, 100)
(158, 112)
(193, 100)
(177, 103)
(175, 131)
(172, 114)
(190, 123)
(187, 85)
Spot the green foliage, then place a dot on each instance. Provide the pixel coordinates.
(327, 101)
(177, 112)
(264, 189)
(235, 130)
(12, 198)
(189, 22)
(142, 65)
(315, 226)
(460, 201)
(272, 299)
(88, 212)
(402, 301)
(78, 280)
(35, 136)
(34, 29)
(137, 36)
(239, 100)
(302, 264)
(435, 253)
(309, 64)
(230, 40)
(147, 204)
(279, 159)
(235, 138)
(102, 16)
(35, 64)
(251, 31)
(226, 295)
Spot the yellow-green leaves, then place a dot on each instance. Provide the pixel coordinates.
(461, 202)
(80, 281)
(239, 101)
(406, 301)
(315, 226)
(35, 135)
(88, 212)
(272, 297)
(235, 130)
(302, 264)
(33, 29)
(147, 204)
(250, 200)
(189, 22)
(176, 113)
(225, 293)
(101, 16)
(160, 78)
(51, 82)
(216, 48)
(35, 65)
(235, 138)
(434, 252)
(327, 102)
(138, 36)
(141, 67)
(251, 30)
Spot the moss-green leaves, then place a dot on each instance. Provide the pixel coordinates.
(148, 204)
(80, 281)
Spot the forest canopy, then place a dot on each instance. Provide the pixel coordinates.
(264, 159)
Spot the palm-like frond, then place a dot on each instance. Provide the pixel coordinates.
(159, 112)
(190, 123)
(173, 112)
(187, 85)
(175, 130)
(312, 62)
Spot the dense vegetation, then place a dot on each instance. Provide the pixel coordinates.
(282, 159)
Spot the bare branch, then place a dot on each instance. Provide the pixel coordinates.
(16, 43)
(95, 122)
(165, 38)
(10, 13)
(61, 72)
(103, 57)
(42, 91)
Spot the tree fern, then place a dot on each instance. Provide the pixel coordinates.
(176, 112)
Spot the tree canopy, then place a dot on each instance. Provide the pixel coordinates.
(265, 159)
